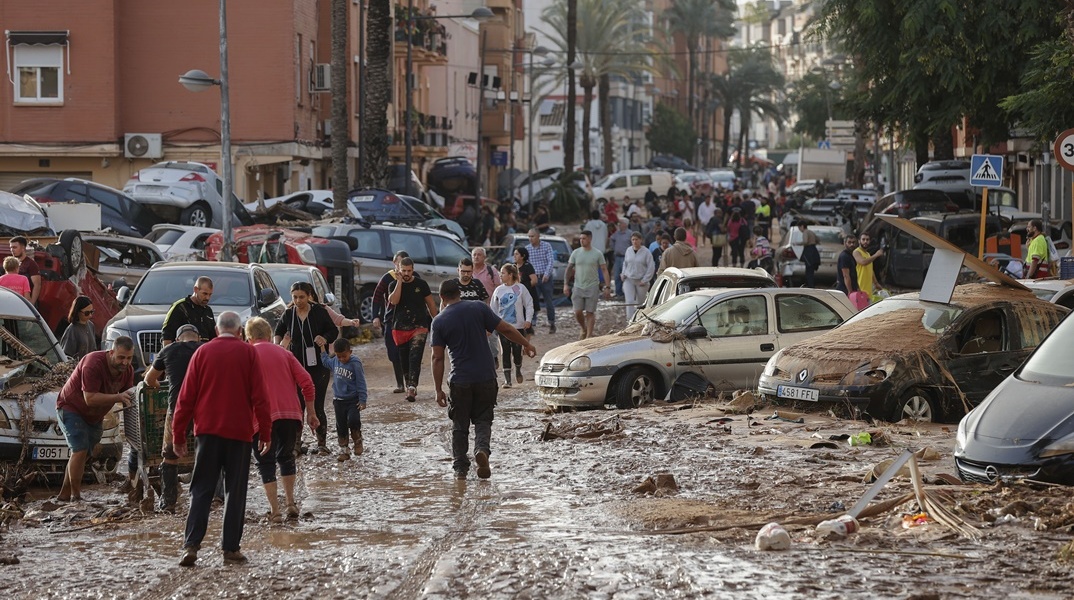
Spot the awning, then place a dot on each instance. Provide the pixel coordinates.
(37, 38)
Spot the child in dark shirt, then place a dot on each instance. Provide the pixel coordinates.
(349, 389)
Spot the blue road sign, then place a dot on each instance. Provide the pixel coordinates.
(986, 170)
(498, 158)
(826, 144)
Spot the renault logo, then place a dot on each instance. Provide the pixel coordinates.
(991, 473)
(802, 375)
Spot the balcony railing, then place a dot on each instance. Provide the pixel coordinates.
(427, 34)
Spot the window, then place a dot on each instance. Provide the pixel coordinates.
(413, 244)
(737, 316)
(643, 180)
(447, 252)
(106, 199)
(618, 182)
(39, 74)
(369, 243)
(803, 313)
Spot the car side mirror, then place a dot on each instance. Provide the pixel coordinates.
(266, 297)
(329, 298)
(120, 283)
(696, 332)
(124, 293)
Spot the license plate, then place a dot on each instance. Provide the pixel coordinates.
(548, 381)
(827, 255)
(798, 393)
(50, 453)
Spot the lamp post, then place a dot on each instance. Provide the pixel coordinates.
(547, 61)
(197, 80)
(479, 14)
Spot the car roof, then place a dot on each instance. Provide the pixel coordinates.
(972, 295)
(205, 265)
(688, 272)
(14, 305)
(287, 267)
(544, 237)
(714, 292)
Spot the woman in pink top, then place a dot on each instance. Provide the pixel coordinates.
(282, 373)
(12, 280)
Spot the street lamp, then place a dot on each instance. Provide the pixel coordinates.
(479, 14)
(197, 80)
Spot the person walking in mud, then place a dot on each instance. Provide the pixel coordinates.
(543, 259)
(282, 374)
(511, 301)
(472, 289)
(383, 313)
(490, 278)
(588, 268)
(461, 329)
(304, 326)
(193, 309)
(414, 309)
(172, 362)
(101, 380)
(350, 395)
(223, 394)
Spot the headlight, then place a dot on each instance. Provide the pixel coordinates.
(770, 366)
(305, 254)
(1063, 446)
(111, 335)
(582, 363)
(960, 436)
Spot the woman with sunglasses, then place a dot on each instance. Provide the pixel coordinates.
(305, 326)
(79, 339)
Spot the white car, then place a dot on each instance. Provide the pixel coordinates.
(723, 178)
(723, 337)
(28, 352)
(187, 193)
(316, 202)
(180, 242)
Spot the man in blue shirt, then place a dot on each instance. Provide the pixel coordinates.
(462, 328)
(543, 259)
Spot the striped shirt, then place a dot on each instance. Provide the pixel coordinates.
(543, 258)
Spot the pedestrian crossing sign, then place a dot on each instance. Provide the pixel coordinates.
(986, 170)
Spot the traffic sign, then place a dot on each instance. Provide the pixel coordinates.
(1064, 149)
(824, 144)
(986, 170)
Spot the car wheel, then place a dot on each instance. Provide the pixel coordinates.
(635, 387)
(197, 215)
(916, 405)
(71, 242)
(365, 305)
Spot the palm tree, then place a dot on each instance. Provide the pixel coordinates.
(609, 43)
(340, 131)
(379, 48)
(749, 87)
(697, 21)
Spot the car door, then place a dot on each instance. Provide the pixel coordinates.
(906, 260)
(801, 316)
(416, 245)
(112, 213)
(639, 184)
(740, 341)
(320, 287)
(986, 348)
(446, 256)
(271, 313)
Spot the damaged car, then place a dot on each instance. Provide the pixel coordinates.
(722, 336)
(32, 371)
(1025, 427)
(910, 358)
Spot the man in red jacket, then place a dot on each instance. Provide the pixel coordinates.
(223, 393)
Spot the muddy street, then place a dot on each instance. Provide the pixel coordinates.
(569, 517)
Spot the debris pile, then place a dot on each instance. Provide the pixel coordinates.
(605, 427)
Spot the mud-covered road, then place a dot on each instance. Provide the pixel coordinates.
(562, 519)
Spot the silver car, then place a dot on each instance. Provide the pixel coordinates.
(187, 193)
(123, 259)
(674, 281)
(789, 255)
(725, 336)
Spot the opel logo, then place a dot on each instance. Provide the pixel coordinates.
(802, 375)
(991, 473)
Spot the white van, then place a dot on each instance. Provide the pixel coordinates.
(633, 183)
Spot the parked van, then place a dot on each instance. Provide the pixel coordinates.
(633, 183)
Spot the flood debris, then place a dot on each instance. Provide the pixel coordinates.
(659, 484)
(743, 402)
(772, 537)
(787, 416)
(610, 426)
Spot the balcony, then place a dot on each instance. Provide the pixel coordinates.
(427, 36)
(495, 120)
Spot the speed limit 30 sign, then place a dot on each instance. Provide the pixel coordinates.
(1064, 149)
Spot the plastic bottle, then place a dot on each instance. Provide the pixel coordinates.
(840, 527)
(772, 537)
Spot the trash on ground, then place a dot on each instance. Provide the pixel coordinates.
(742, 403)
(914, 520)
(772, 537)
(838, 527)
(582, 430)
(860, 439)
(782, 415)
(660, 484)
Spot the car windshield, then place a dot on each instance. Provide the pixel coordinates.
(165, 286)
(935, 318)
(285, 279)
(32, 335)
(164, 236)
(1052, 362)
(679, 308)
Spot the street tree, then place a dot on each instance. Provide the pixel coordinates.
(670, 132)
(750, 87)
(379, 49)
(340, 130)
(698, 21)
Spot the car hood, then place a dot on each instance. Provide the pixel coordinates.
(853, 348)
(1001, 430)
(21, 215)
(609, 349)
(151, 316)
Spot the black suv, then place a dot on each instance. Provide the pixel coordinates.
(907, 258)
(119, 212)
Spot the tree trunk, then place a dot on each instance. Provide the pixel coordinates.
(692, 88)
(379, 50)
(857, 177)
(743, 136)
(943, 147)
(726, 153)
(340, 131)
(921, 145)
(587, 109)
(603, 93)
(572, 92)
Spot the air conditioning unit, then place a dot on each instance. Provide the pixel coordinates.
(143, 145)
(321, 77)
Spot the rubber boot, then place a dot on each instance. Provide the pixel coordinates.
(344, 451)
(507, 378)
(169, 487)
(356, 437)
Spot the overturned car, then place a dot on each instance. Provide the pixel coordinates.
(32, 371)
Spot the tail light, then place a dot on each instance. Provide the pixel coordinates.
(134, 177)
(789, 254)
(193, 177)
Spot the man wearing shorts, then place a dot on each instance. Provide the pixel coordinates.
(584, 265)
(101, 380)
